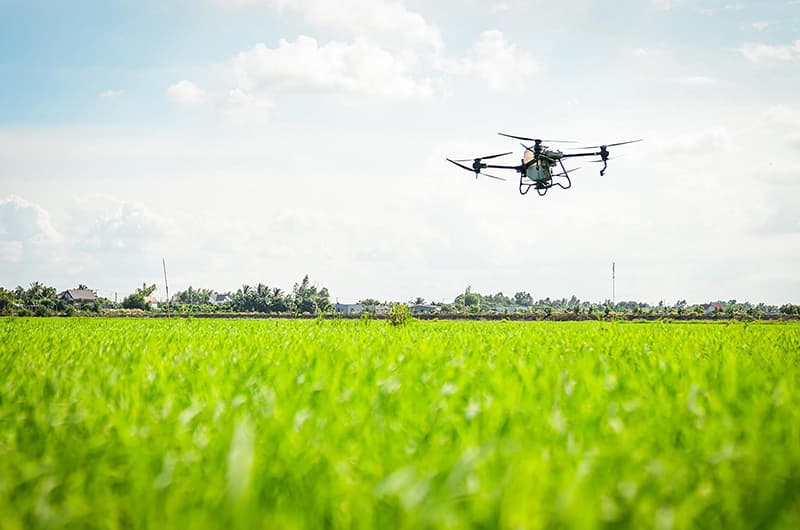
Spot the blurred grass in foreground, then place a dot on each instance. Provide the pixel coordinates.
(344, 424)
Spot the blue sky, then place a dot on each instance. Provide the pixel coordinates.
(259, 140)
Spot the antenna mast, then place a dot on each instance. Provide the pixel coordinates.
(614, 282)
(166, 286)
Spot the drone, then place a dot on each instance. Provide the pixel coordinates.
(541, 168)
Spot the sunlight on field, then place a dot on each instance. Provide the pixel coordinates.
(345, 424)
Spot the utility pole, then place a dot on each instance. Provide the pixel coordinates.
(614, 282)
(166, 286)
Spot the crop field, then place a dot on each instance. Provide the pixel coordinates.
(192, 424)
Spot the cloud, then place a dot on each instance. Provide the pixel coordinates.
(110, 93)
(664, 5)
(247, 109)
(713, 139)
(26, 230)
(388, 23)
(760, 25)
(498, 63)
(696, 80)
(186, 93)
(783, 116)
(760, 52)
(727, 7)
(501, 7)
(108, 224)
(352, 69)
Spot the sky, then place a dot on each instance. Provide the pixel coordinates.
(250, 141)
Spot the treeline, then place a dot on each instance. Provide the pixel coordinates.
(472, 302)
(43, 300)
(306, 298)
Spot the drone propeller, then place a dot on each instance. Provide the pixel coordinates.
(567, 172)
(608, 145)
(537, 140)
(457, 162)
(476, 168)
(492, 176)
(482, 157)
(607, 158)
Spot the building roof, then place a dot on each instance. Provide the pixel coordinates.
(79, 295)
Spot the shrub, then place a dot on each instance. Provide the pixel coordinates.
(399, 314)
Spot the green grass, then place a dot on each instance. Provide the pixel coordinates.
(344, 424)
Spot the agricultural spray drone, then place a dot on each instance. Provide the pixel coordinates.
(541, 168)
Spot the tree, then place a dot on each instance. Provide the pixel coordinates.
(7, 301)
(195, 296)
(138, 300)
(135, 301)
(523, 298)
(309, 299)
(146, 290)
(369, 302)
(419, 300)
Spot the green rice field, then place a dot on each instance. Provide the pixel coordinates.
(284, 424)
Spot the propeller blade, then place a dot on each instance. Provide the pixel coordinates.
(623, 143)
(537, 140)
(519, 137)
(481, 157)
(608, 145)
(567, 172)
(492, 176)
(461, 165)
(494, 156)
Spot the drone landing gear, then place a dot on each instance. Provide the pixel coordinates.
(541, 187)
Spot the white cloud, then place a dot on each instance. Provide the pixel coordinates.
(501, 7)
(727, 7)
(696, 80)
(109, 224)
(352, 69)
(247, 109)
(21, 220)
(110, 93)
(760, 52)
(783, 116)
(703, 142)
(186, 93)
(498, 63)
(26, 230)
(388, 23)
(664, 5)
(760, 25)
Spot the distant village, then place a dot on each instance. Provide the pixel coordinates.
(306, 298)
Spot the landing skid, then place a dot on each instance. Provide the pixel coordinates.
(541, 187)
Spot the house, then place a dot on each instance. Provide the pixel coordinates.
(418, 309)
(152, 301)
(357, 309)
(79, 296)
(349, 309)
(713, 308)
(220, 298)
(511, 309)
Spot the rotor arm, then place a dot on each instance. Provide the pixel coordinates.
(516, 168)
(574, 155)
(603, 154)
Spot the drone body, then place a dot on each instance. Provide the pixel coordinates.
(541, 168)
